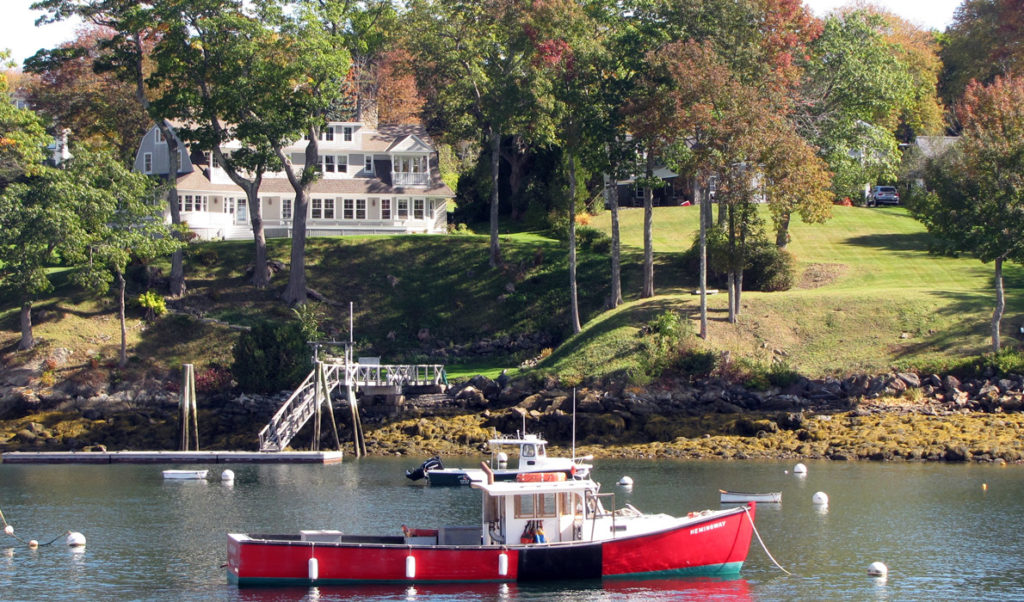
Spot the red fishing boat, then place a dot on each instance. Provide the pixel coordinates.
(542, 526)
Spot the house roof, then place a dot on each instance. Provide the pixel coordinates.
(934, 146)
(387, 136)
(662, 173)
(198, 181)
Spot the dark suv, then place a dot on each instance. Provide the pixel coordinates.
(884, 194)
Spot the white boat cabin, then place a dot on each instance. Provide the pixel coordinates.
(542, 512)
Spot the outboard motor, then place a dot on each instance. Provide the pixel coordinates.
(421, 472)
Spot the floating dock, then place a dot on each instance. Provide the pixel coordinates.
(172, 457)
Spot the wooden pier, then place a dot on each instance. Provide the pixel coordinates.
(173, 457)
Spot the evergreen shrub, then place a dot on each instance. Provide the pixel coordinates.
(271, 357)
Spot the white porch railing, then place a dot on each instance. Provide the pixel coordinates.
(400, 179)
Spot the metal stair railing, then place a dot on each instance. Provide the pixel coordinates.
(301, 405)
(295, 412)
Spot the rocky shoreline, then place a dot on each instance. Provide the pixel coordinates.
(891, 417)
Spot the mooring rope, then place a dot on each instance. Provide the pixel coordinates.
(746, 510)
(15, 535)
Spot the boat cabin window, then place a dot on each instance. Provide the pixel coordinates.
(536, 505)
(528, 451)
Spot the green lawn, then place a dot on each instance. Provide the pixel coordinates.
(870, 298)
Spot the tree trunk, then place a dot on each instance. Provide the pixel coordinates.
(495, 253)
(123, 357)
(731, 276)
(648, 285)
(722, 213)
(700, 195)
(742, 252)
(782, 231)
(613, 205)
(27, 340)
(574, 305)
(516, 159)
(997, 315)
(260, 270)
(177, 277)
(295, 292)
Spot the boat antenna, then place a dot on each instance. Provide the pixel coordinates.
(574, 423)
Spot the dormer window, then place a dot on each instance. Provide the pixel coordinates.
(347, 133)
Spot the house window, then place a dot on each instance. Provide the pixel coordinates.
(342, 161)
(328, 164)
(242, 214)
(229, 205)
(640, 192)
(403, 208)
(347, 133)
(147, 163)
(417, 209)
(347, 211)
(385, 208)
(286, 208)
(328, 208)
(368, 163)
(316, 208)
(159, 136)
(192, 202)
(360, 208)
(411, 164)
(327, 134)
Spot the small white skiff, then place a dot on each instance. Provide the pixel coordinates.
(186, 474)
(730, 497)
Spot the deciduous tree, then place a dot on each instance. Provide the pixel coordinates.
(978, 200)
(134, 26)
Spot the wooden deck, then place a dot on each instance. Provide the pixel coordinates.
(172, 457)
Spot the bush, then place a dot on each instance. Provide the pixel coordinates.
(771, 269)
(1006, 362)
(593, 240)
(768, 268)
(154, 304)
(213, 379)
(271, 357)
(696, 364)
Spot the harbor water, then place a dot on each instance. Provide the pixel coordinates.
(945, 531)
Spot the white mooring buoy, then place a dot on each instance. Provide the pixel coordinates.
(820, 498)
(9, 530)
(228, 476)
(75, 539)
(877, 569)
(626, 481)
(799, 468)
(33, 544)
